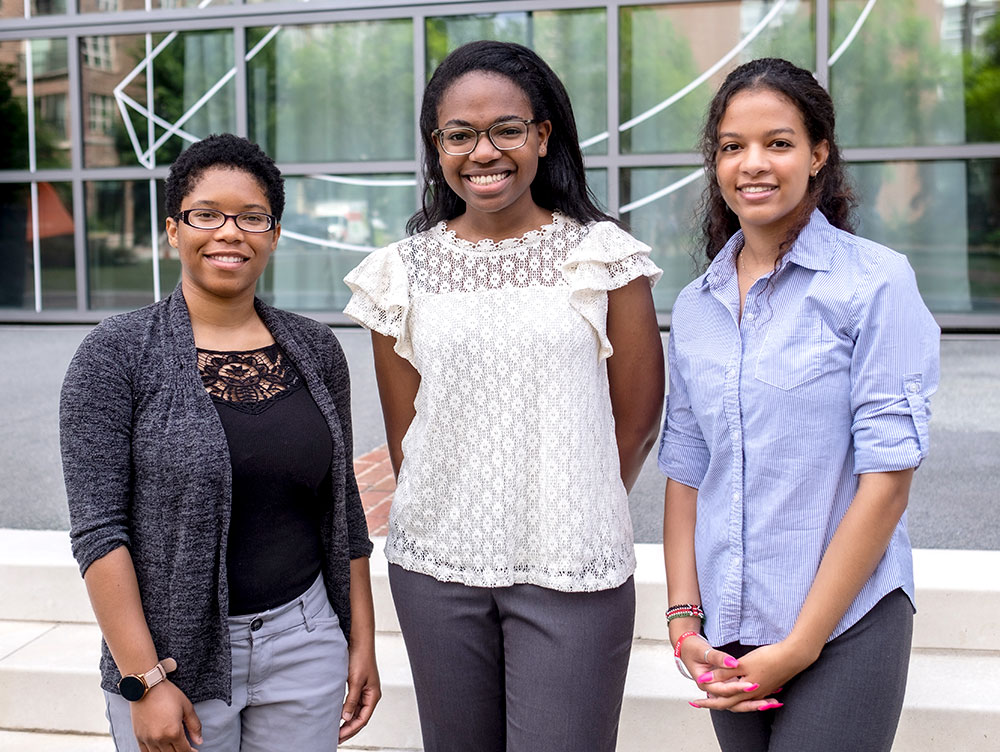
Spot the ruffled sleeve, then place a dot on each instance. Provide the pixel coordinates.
(607, 258)
(381, 297)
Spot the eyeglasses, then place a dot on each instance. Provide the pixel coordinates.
(505, 135)
(210, 219)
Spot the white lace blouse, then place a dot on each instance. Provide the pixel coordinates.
(510, 471)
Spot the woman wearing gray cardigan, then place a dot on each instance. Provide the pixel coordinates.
(207, 452)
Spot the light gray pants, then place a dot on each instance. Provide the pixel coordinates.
(515, 669)
(289, 675)
(849, 700)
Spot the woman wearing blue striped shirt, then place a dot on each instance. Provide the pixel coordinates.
(801, 364)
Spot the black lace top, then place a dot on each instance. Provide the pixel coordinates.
(281, 450)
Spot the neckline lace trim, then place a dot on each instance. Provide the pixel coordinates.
(248, 380)
(488, 245)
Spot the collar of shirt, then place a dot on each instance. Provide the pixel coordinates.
(813, 249)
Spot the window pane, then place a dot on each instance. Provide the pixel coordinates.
(194, 95)
(55, 233)
(119, 245)
(13, 107)
(112, 6)
(573, 43)
(916, 74)
(16, 267)
(332, 92)
(195, 89)
(325, 232)
(667, 48)
(104, 63)
(945, 216)
(50, 63)
(597, 181)
(667, 224)
(47, 7)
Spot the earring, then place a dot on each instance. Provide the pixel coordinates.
(542, 149)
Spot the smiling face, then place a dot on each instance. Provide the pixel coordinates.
(226, 262)
(764, 161)
(495, 185)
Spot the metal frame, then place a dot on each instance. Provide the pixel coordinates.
(239, 16)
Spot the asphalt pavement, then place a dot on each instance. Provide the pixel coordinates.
(953, 503)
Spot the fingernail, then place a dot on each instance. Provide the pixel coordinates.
(771, 706)
(778, 690)
(694, 704)
(706, 677)
(731, 662)
(347, 716)
(751, 688)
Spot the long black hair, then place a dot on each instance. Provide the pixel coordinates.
(560, 182)
(828, 191)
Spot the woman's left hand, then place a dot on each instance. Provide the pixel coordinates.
(768, 667)
(363, 691)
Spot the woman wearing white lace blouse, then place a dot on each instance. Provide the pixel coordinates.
(521, 378)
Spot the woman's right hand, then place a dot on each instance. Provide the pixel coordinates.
(702, 660)
(165, 719)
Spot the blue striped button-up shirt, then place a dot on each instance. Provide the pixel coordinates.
(773, 417)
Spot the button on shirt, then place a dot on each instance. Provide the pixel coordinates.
(774, 416)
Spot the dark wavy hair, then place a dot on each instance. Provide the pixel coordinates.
(230, 152)
(560, 183)
(829, 190)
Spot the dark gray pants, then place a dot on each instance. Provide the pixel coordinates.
(515, 669)
(849, 700)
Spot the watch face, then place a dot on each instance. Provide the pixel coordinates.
(132, 688)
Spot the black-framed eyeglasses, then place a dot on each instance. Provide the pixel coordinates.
(461, 140)
(210, 219)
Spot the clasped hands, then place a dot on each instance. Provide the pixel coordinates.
(747, 684)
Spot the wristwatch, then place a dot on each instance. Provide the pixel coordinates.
(135, 686)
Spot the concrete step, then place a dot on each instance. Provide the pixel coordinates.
(41, 582)
(49, 648)
(51, 683)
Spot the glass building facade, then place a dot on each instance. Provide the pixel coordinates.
(97, 97)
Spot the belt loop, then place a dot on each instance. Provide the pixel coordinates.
(306, 618)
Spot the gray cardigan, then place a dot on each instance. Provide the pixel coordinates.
(147, 466)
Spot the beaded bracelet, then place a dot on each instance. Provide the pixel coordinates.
(677, 655)
(685, 610)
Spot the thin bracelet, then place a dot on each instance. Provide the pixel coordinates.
(685, 610)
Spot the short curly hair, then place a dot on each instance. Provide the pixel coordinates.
(227, 151)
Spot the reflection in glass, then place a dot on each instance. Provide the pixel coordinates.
(667, 224)
(50, 63)
(119, 245)
(341, 92)
(111, 6)
(666, 48)
(901, 79)
(47, 7)
(195, 90)
(573, 43)
(597, 181)
(55, 234)
(13, 107)
(193, 95)
(325, 232)
(105, 61)
(904, 204)
(16, 266)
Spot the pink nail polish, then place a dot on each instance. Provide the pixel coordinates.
(778, 690)
(731, 662)
(706, 677)
(694, 705)
(771, 706)
(751, 688)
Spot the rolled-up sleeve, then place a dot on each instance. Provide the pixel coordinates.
(683, 454)
(95, 430)
(894, 370)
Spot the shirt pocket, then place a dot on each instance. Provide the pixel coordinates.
(793, 353)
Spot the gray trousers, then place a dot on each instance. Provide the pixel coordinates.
(849, 700)
(289, 675)
(515, 669)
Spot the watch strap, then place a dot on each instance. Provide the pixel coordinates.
(156, 674)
